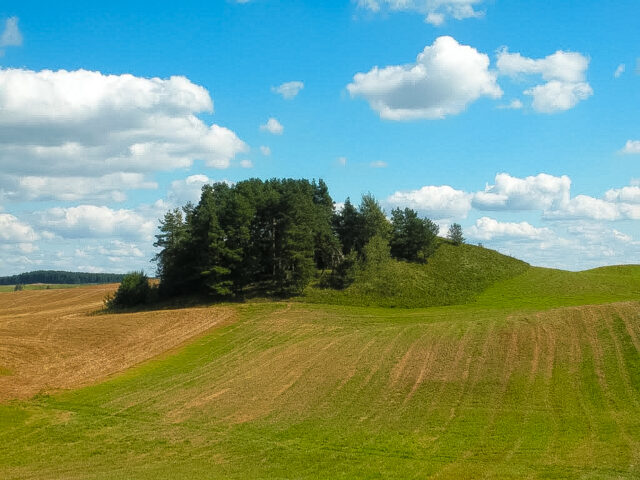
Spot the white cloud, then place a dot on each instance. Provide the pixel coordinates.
(108, 187)
(436, 11)
(513, 105)
(619, 71)
(11, 36)
(272, 126)
(288, 90)
(378, 164)
(266, 151)
(445, 78)
(487, 228)
(564, 73)
(246, 163)
(15, 231)
(436, 202)
(632, 147)
(629, 194)
(586, 207)
(83, 123)
(90, 221)
(342, 161)
(187, 190)
(540, 192)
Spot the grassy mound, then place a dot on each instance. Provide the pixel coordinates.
(453, 275)
(547, 288)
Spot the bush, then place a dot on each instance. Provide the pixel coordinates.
(18, 288)
(133, 290)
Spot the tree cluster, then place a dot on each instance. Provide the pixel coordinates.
(275, 236)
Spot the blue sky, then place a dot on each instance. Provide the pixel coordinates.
(518, 120)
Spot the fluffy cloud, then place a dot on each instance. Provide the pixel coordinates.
(15, 231)
(619, 71)
(564, 73)
(439, 202)
(272, 126)
(632, 147)
(487, 228)
(586, 207)
(187, 190)
(83, 123)
(110, 187)
(436, 11)
(540, 192)
(629, 194)
(11, 36)
(513, 105)
(90, 221)
(445, 78)
(288, 90)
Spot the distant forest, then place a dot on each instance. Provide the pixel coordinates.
(58, 277)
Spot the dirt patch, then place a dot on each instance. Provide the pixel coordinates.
(50, 339)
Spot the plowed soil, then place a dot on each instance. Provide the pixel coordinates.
(53, 339)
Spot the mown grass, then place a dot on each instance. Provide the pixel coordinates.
(504, 387)
(453, 275)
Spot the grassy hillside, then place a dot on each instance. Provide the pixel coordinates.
(453, 275)
(311, 392)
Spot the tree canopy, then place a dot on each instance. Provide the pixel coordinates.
(275, 236)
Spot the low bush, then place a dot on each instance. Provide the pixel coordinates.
(134, 290)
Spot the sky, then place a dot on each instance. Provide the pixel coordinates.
(517, 119)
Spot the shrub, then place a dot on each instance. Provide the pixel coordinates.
(133, 290)
(18, 288)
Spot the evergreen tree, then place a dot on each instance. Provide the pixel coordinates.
(412, 237)
(455, 234)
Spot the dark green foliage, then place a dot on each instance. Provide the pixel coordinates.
(455, 234)
(134, 290)
(344, 274)
(57, 277)
(18, 288)
(355, 227)
(412, 238)
(271, 234)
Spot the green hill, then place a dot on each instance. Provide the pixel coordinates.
(453, 275)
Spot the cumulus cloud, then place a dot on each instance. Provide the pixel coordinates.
(630, 194)
(15, 231)
(246, 163)
(110, 187)
(288, 90)
(11, 36)
(91, 221)
(619, 71)
(487, 228)
(632, 147)
(586, 207)
(436, 202)
(272, 126)
(435, 11)
(445, 78)
(84, 123)
(540, 192)
(564, 73)
(187, 190)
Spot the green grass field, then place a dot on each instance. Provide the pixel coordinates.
(39, 286)
(537, 376)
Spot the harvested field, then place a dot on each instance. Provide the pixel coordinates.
(292, 390)
(52, 339)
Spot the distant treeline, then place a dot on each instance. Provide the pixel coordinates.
(59, 277)
(277, 235)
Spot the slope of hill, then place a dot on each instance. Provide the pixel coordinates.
(308, 391)
(453, 275)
